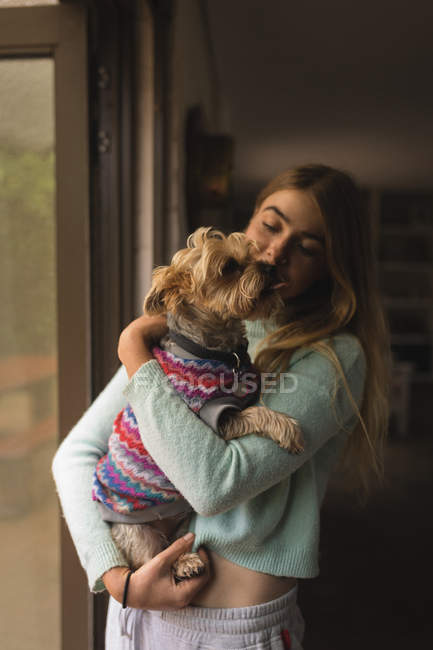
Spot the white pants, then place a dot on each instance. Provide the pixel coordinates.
(276, 625)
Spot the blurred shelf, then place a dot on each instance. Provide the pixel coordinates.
(408, 338)
(403, 237)
(422, 377)
(425, 267)
(407, 231)
(408, 303)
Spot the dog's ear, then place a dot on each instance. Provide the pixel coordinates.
(154, 302)
(199, 236)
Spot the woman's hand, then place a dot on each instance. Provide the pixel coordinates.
(153, 586)
(137, 339)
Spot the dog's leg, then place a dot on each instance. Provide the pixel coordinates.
(138, 542)
(188, 565)
(264, 422)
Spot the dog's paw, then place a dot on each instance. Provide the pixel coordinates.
(188, 565)
(288, 434)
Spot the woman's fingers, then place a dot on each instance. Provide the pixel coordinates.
(204, 556)
(175, 550)
(187, 589)
(153, 585)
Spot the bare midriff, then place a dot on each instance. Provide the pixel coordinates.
(232, 585)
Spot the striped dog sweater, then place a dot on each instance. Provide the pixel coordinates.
(128, 484)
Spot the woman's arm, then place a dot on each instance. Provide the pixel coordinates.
(137, 338)
(213, 475)
(73, 468)
(152, 586)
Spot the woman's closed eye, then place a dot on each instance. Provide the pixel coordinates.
(305, 251)
(269, 227)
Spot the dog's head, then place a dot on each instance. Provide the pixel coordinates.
(218, 274)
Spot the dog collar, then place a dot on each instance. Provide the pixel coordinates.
(237, 359)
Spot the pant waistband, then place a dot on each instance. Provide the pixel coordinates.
(236, 620)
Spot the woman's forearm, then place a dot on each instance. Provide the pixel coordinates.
(75, 461)
(132, 361)
(136, 340)
(73, 469)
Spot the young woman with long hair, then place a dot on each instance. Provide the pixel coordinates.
(256, 507)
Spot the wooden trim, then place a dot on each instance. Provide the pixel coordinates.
(25, 53)
(25, 27)
(73, 288)
(112, 207)
(112, 227)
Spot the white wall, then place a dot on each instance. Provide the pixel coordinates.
(346, 84)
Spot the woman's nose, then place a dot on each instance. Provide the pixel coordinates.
(275, 255)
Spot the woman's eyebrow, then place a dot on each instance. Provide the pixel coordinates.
(305, 233)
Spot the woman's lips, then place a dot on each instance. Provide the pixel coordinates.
(274, 278)
(279, 285)
(280, 281)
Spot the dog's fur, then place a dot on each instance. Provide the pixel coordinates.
(209, 288)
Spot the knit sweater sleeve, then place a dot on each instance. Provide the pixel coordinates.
(73, 467)
(214, 475)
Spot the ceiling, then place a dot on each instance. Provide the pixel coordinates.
(336, 82)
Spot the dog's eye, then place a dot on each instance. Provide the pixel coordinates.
(231, 266)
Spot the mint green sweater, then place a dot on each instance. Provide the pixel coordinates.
(255, 504)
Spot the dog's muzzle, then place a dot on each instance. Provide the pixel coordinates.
(269, 272)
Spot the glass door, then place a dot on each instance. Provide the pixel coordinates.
(28, 356)
(44, 288)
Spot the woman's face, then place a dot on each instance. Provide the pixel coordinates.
(289, 231)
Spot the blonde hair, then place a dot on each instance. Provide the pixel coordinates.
(346, 299)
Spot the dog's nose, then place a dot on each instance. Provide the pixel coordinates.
(269, 270)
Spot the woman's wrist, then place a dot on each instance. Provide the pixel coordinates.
(114, 581)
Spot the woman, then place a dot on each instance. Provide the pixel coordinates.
(257, 506)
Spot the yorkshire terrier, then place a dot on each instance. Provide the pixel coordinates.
(209, 288)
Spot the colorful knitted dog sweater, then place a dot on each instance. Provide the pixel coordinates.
(199, 381)
(127, 481)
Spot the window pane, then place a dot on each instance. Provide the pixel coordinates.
(30, 567)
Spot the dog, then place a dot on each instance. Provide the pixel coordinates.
(209, 288)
